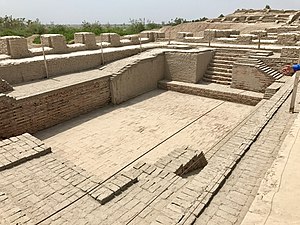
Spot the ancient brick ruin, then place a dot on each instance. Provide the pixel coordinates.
(142, 129)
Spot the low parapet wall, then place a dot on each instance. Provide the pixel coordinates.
(137, 79)
(44, 110)
(24, 70)
(17, 47)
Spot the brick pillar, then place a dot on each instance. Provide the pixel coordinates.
(148, 34)
(14, 46)
(87, 38)
(112, 38)
(55, 41)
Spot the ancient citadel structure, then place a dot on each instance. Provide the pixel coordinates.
(163, 127)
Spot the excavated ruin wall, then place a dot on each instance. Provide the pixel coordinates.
(249, 78)
(24, 70)
(187, 67)
(138, 79)
(279, 63)
(44, 110)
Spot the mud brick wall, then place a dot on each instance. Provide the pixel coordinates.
(279, 63)
(137, 79)
(4, 86)
(254, 81)
(44, 110)
(221, 95)
(290, 52)
(20, 71)
(187, 67)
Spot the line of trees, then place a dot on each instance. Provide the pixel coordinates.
(21, 27)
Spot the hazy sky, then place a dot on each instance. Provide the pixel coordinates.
(117, 11)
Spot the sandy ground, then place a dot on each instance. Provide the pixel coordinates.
(107, 139)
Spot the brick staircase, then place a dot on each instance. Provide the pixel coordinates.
(260, 65)
(220, 68)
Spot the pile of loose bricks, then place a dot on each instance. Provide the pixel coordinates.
(19, 149)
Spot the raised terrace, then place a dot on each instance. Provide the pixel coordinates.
(142, 129)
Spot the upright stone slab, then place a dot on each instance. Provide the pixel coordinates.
(112, 38)
(149, 35)
(133, 38)
(86, 38)
(158, 35)
(55, 41)
(182, 35)
(14, 46)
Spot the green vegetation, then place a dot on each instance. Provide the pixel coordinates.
(178, 21)
(22, 27)
(267, 7)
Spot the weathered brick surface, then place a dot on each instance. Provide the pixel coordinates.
(47, 109)
(41, 186)
(232, 202)
(19, 149)
(227, 95)
(4, 86)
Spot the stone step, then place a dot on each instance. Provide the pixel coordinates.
(228, 58)
(222, 61)
(227, 54)
(216, 81)
(278, 76)
(216, 73)
(219, 78)
(219, 69)
(221, 65)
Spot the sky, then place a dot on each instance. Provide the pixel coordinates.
(121, 11)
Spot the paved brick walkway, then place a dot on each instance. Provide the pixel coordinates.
(104, 141)
(232, 202)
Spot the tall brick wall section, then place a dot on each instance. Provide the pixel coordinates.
(38, 112)
(186, 66)
(249, 78)
(137, 79)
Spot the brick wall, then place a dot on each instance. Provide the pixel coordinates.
(279, 63)
(137, 79)
(248, 77)
(4, 86)
(209, 93)
(41, 111)
(33, 68)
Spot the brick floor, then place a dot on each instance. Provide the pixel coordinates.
(230, 205)
(104, 141)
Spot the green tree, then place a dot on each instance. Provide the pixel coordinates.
(267, 7)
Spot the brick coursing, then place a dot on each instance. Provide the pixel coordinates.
(34, 113)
